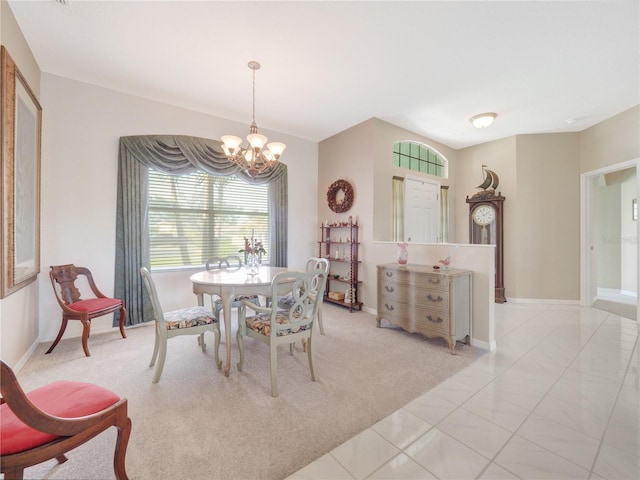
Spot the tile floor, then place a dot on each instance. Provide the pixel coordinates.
(558, 399)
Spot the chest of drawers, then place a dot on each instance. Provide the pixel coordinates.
(421, 300)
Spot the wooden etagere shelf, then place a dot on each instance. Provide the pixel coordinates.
(339, 243)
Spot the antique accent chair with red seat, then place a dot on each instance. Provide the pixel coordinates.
(76, 306)
(51, 420)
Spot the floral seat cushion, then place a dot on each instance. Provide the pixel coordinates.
(188, 317)
(261, 323)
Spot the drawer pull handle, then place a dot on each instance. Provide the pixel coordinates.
(437, 320)
(391, 308)
(437, 300)
(389, 274)
(434, 282)
(389, 289)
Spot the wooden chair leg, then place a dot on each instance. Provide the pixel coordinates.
(162, 357)
(86, 329)
(121, 449)
(14, 474)
(273, 353)
(320, 320)
(310, 354)
(61, 458)
(63, 327)
(123, 316)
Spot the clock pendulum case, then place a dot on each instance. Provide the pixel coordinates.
(486, 226)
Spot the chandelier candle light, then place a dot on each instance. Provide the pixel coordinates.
(255, 159)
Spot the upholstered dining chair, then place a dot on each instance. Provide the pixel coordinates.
(274, 326)
(230, 262)
(78, 303)
(313, 264)
(49, 421)
(185, 321)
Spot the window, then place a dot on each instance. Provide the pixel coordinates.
(197, 216)
(419, 158)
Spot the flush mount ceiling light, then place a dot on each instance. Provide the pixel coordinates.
(255, 158)
(483, 120)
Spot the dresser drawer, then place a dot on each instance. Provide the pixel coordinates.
(415, 296)
(431, 281)
(395, 311)
(429, 322)
(413, 318)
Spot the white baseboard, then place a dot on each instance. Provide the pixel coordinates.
(491, 347)
(16, 368)
(543, 301)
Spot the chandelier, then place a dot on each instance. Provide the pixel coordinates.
(254, 159)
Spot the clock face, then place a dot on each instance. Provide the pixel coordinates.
(484, 215)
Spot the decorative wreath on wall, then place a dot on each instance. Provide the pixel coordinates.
(332, 196)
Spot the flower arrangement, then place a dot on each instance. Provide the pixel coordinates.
(252, 246)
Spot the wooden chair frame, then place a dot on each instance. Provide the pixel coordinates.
(163, 334)
(67, 294)
(301, 316)
(73, 431)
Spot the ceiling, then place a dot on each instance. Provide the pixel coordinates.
(425, 66)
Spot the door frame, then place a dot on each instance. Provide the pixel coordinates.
(588, 275)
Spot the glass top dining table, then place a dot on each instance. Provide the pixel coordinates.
(228, 283)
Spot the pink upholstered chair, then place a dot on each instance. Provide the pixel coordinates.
(76, 306)
(51, 420)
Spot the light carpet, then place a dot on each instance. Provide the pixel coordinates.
(198, 424)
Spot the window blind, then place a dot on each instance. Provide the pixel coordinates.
(197, 216)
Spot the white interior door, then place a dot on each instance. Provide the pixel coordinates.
(421, 210)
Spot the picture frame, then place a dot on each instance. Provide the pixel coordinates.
(21, 117)
(634, 209)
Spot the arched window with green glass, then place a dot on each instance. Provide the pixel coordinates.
(419, 158)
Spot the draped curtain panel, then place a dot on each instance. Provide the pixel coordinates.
(175, 155)
(398, 208)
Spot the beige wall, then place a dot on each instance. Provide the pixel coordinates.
(19, 311)
(546, 228)
(612, 141)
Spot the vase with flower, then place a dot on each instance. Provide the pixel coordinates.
(403, 253)
(253, 250)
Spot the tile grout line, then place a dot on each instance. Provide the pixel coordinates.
(615, 403)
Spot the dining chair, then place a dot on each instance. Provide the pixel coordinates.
(275, 326)
(78, 303)
(185, 321)
(230, 262)
(49, 421)
(313, 264)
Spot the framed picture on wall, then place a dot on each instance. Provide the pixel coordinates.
(20, 165)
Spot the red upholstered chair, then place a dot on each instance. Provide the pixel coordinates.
(76, 306)
(50, 421)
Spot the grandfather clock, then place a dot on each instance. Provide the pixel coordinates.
(486, 227)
